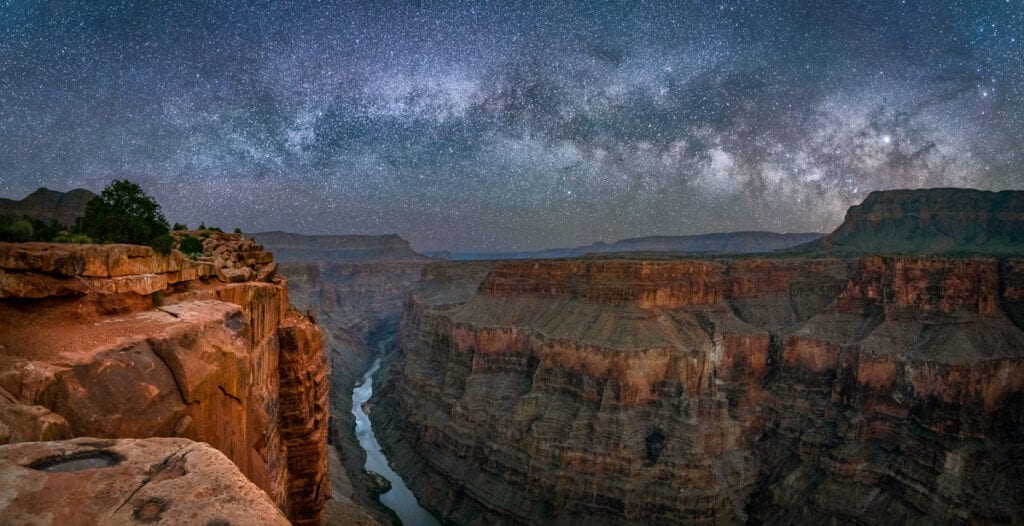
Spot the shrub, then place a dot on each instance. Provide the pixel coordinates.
(179, 226)
(238, 230)
(162, 244)
(190, 245)
(123, 213)
(202, 226)
(25, 228)
(18, 231)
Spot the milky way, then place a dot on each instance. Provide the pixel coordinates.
(505, 126)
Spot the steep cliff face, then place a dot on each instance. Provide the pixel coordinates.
(305, 377)
(712, 392)
(118, 342)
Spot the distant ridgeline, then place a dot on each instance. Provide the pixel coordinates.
(718, 243)
(934, 221)
(49, 205)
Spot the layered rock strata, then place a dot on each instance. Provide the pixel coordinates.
(189, 354)
(725, 391)
(127, 481)
(304, 417)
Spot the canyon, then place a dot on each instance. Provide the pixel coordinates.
(825, 387)
(117, 342)
(354, 286)
(873, 375)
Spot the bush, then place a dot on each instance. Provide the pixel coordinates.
(162, 244)
(190, 245)
(202, 226)
(123, 213)
(238, 230)
(19, 231)
(179, 226)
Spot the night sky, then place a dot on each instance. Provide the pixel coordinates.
(511, 126)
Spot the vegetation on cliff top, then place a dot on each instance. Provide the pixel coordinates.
(123, 213)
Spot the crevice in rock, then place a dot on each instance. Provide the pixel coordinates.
(172, 314)
(153, 472)
(229, 395)
(155, 346)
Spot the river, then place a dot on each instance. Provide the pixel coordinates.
(398, 498)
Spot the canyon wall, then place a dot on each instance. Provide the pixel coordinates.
(720, 391)
(116, 341)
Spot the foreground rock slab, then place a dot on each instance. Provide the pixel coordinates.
(128, 481)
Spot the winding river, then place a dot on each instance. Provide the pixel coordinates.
(399, 499)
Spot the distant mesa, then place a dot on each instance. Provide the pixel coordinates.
(929, 221)
(289, 247)
(49, 205)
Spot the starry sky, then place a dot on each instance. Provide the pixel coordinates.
(511, 125)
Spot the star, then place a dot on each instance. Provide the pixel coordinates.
(473, 126)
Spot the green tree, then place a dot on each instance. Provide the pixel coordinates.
(123, 213)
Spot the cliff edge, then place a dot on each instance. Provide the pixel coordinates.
(116, 341)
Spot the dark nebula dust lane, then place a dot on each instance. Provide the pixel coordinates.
(511, 126)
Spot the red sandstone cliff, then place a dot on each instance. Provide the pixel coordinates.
(714, 392)
(116, 341)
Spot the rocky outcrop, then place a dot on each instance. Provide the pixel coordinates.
(49, 205)
(44, 270)
(145, 481)
(194, 357)
(935, 220)
(713, 392)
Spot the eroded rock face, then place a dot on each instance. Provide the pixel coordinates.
(714, 392)
(208, 360)
(305, 377)
(145, 481)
